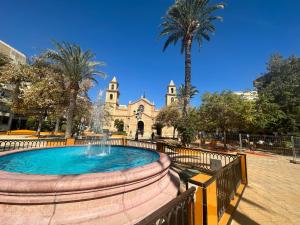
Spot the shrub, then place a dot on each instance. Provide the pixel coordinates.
(187, 129)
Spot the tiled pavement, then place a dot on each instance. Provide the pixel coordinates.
(273, 193)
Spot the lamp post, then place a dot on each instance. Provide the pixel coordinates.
(138, 115)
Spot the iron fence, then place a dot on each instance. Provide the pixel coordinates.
(296, 149)
(142, 144)
(16, 144)
(179, 211)
(280, 144)
(228, 180)
(197, 158)
(98, 141)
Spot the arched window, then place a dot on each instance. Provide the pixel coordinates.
(172, 99)
(111, 96)
(172, 90)
(112, 87)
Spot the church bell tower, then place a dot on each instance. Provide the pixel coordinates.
(171, 95)
(112, 93)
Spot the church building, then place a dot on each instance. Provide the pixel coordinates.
(138, 116)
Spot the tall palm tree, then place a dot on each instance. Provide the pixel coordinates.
(182, 93)
(188, 21)
(77, 66)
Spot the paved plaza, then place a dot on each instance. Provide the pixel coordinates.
(273, 194)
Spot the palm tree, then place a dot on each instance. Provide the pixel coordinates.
(77, 66)
(188, 21)
(181, 92)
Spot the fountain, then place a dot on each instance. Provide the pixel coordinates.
(99, 115)
(84, 185)
(99, 118)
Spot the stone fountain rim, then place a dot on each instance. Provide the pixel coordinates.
(15, 183)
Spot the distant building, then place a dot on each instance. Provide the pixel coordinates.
(127, 113)
(248, 95)
(12, 53)
(5, 96)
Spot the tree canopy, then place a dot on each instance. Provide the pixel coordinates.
(225, 112)
(169, 116)
(279, 92)
(78, 66)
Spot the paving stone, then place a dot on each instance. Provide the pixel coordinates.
(273, 193)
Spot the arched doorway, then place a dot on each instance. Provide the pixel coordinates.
(140, 126)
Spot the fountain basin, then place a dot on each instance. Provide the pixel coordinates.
(117, 197)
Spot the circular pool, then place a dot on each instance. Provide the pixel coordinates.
(75, 160)
(83, 185)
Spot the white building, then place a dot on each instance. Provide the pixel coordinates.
(5, 113)
(248, 95)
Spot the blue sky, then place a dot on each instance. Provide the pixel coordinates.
(124, 34)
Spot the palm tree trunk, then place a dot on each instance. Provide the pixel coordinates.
(187, 81)
(39, 125)
(70, 113)
(57, 125)
(225, 140)
(10, 119)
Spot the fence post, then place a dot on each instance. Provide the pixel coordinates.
(240, 139)
(70, 141)
(206, 211)
(243, 159)
(124, 141)
(294, 160)
(160, 147)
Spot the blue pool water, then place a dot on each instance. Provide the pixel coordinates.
(76, 160)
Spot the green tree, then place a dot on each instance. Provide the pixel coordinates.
(182, 93)
(187, 21)
(169, 116)
(82, 114)
(279, 89)
(119, 124)
(13, 79)
(267, 116)
(187, 127)
(77, 66)
(226, 112)
(45, 93)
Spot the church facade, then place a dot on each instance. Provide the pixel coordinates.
(138, 116)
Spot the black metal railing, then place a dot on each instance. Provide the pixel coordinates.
(98, 141)
(197, 158)
(142, 144)
(179, 211)
(16, 144)
(280, 144)
(228, 180)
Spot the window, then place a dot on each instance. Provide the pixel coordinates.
(112, 87)
(172, 99)
(141, 108)
(172, 90)
(111, 96)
